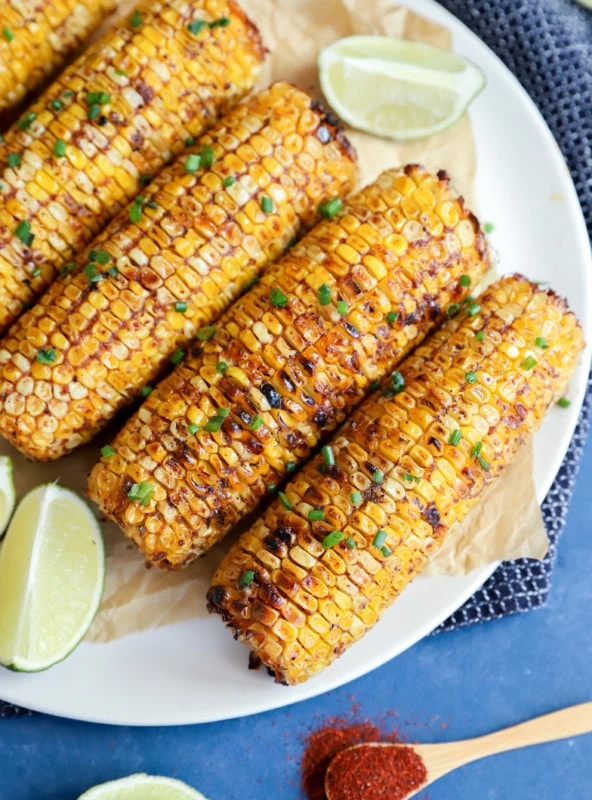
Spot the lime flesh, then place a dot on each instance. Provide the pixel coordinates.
(143, 787)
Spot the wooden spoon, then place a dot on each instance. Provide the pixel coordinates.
(439, 759)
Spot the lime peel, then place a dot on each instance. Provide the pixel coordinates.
(143, 787)
(7, 493)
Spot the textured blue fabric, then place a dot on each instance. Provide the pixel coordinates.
(547, 44)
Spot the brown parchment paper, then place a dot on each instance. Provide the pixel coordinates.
(507, 524)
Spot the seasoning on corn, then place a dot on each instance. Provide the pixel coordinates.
(160, 279)
(301, 366)
(37, 39)
(115, 129)
(310, 604)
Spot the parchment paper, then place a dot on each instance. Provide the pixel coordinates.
(507, 524)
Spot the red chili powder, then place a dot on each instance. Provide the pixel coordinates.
(375, 773)
(325, 743)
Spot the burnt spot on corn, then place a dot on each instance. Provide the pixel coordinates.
(271, 395)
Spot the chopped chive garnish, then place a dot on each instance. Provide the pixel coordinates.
(193, 163)
(135, 212)
(102, 256)
(36, 272)
(246, 579)
(330, 208)
(342, 307)
(471, 377)
(122, 72)
(378, 477)
(181, 306)
(113, 271)
(205, 334)
(25, 123)
(68, 93)
(46, 356)
(476, 449)
(196, 26)
(207, 156)
(483, 463)
(23, 232)
(249, 284)
(397, 385)
(223, 412)
(107, 451)
(455, 437)
(141, 493)
(316, 514)
(409, 478)
(94, 111)
(136, 19)
(221, 367)
(266, 204)
(356, 498)
(145, 179)
(228, 181)
(223, 22)
(177, 356)
(563, 402)
(68, 268)
(541, 342)
(59, 149)
(465, 281)
(291, 466)
(529, 363)
(214, 424)
(488, 227)
(92, 273)
(473, 309)
(480, 336)
(285, 502)
(328, 455)
(151, 204)
(145, 391)
(256, 422)
(375, 384)
(278, 298)
(7, 33)
(351, 543)
(452, 309)
(392, 316)
(56, 105)
(331, 539)
(379, 539)
(98, 98)
(192, 428)
(271, 488)
(14, 159)
(385, 551)
(324, 295)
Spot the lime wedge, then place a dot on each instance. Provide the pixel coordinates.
(52, 566)
(143, 787)
(7, 495)
(395, 88)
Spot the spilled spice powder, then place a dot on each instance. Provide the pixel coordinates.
(375, 773)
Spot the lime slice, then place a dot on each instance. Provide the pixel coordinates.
(7, 496)
(52, 565)
(143, 787)
(395, 88)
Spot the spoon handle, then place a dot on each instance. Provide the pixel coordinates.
(572, 721)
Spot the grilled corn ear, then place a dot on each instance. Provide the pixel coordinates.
(150, 283)
(321, 566)
(37, 36)
(118, 113)
(288, 362)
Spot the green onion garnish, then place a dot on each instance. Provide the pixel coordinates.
(7, 33)
(46, 356)
(221, 367)
(135, 212)
(205, 334)
(136, 19)
(256, 422)
(379, 539)
(141, 493)
(228, 181)
(328, 455)
(94, 111)
(271, 488)
(266, 204)
(476, 449)
(151, 204)
(113, 271)
(397, 385)
(351, 542)
(214, 424)
(249, 284)
(541, 342)
(291, 466)
(246, 579)
(25, 123)
(59, 149)
(385, 551)
(324, 295)
(145, 391)
(56, 105)
(473, 309)
(316, 514)
(285, 502)
(488, 227)
(483, 463)
(98, 98)
(193, 163)
(177, 356)
(107, 451)
(330, 208)
(378, 477)
(455, 437)
(278, 298)
(480, 336)
(181, 306)
(465, 281)
(192, 428)
(411, 478)
(374, 385)
(36, 272)
(122, 72)
(145, 179)
(68, 268)
(332, 539)
(392, 316)
(342, 307)
(452, 309)
(102, 256)
(529, 363)
(563, 402)
(471, 377)
(207, 156)
(356, 498)
(14, 159)
(196, 26)
(223, 412)
(92, 273)
(23, 232)
(223, 22)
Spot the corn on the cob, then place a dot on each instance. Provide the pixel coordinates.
(121, 111)
(37, 36)
(316, 572)
(288, 362)
(198, 238)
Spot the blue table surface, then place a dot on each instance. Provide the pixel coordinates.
(450, 686)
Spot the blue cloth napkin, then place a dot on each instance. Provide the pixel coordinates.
(547, 44)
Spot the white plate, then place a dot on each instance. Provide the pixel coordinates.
(194, 672)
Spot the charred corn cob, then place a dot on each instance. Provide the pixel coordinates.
(118, 113)
(151, 282)
(288, 362)
(37, 36)
(360, 520)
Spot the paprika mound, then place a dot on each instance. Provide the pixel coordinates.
(375, 773)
